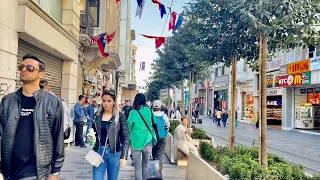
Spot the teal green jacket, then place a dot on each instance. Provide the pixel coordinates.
(139, 133)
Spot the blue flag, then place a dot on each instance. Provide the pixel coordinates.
(179, 22)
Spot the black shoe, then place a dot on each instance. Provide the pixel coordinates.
(77, 145)
(83, 146)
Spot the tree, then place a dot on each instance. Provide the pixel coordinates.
(231, 28)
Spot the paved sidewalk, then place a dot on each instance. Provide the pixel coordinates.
(295, 147)
(77, 168)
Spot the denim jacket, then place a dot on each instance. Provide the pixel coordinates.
(78, 113)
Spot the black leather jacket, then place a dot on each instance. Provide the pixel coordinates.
(48, 137)
(117, 133)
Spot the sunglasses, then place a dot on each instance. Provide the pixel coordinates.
(29, 68)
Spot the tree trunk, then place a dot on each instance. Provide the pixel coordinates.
(233, 104)
(259, 109)
(190, 99)
(182, 100)
(169, 103)
(263, 74)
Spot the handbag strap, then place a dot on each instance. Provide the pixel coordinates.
(144, 121)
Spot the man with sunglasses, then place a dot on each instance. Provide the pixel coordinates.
(31, 128)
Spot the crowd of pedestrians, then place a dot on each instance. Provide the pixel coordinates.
(34, 124)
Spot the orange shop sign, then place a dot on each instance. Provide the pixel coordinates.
(299, 67)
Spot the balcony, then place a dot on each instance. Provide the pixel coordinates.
(86, 27)
(243, 77)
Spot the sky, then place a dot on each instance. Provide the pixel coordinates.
(150, 24)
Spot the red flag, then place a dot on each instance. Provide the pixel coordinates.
(172, 22)
(110, 37)
(134, 61)
(160, 41)
(161, 7)
(117, 1)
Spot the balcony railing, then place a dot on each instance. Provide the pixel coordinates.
(86, 23)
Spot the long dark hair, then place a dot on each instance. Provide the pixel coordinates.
(139, 100)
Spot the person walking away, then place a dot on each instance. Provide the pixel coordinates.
(78, 120)
(89, 113)
(142, 136)
(225, 118)
(196, 113)
(256, 117)
(31, 128)
(182, 139)
(218, 116)
(163, 125)
(237, 121)
(66, 114)
(127, 108)
(112, 138)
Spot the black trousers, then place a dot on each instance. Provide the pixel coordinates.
(79, 133)
(218, 120)
(158, 150)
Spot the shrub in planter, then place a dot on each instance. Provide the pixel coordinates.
(199, 134)
(243, 164)
(173, 125)
(240, 171)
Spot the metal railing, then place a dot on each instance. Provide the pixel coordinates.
(86, 22)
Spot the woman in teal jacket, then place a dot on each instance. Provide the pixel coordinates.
(142, 137)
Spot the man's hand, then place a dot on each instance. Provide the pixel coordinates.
(1, 176)
(123, 163)
(52, 177)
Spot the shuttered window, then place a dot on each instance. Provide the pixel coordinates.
(53, 66)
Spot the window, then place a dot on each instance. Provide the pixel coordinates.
(216, 72)
(222, 70)
(311, 51)
(94, 7)
(53, 8)
(219, 71)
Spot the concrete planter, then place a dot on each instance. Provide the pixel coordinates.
(171, 151)
(199, 169)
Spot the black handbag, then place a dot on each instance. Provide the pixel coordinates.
(67, 133)
(154, 125)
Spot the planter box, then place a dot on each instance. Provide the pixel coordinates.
(169, 149)
(199, 169)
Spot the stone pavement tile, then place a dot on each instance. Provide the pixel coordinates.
(77, 168)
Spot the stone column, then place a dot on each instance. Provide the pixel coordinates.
(8, 46)
(71, 16)
(69, 82)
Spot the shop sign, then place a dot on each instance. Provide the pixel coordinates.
(295, 79)
(274, 64)
(315, 63)
(299, 67)
(283, 70)
(274, 92)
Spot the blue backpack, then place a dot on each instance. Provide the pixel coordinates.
(161, 124)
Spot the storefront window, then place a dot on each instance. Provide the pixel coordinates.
(248, 106)
(94, 6)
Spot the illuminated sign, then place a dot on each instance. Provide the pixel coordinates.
(295, 79)
(299, 67)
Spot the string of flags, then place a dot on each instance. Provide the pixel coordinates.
(174, 23)
(103, 40)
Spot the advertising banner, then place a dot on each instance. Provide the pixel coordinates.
(295, 79)
(299, 67)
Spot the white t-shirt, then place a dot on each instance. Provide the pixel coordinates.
(165, 117)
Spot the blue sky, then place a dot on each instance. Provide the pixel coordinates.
(150, 24)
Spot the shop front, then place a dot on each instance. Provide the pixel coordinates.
(305, 95)
(221, 100)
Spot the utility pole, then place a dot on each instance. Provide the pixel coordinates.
(169, 103)
(190, 98)
(182, 100)
(233, 103)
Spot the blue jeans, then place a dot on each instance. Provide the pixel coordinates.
(89, 125)
(111, 164)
